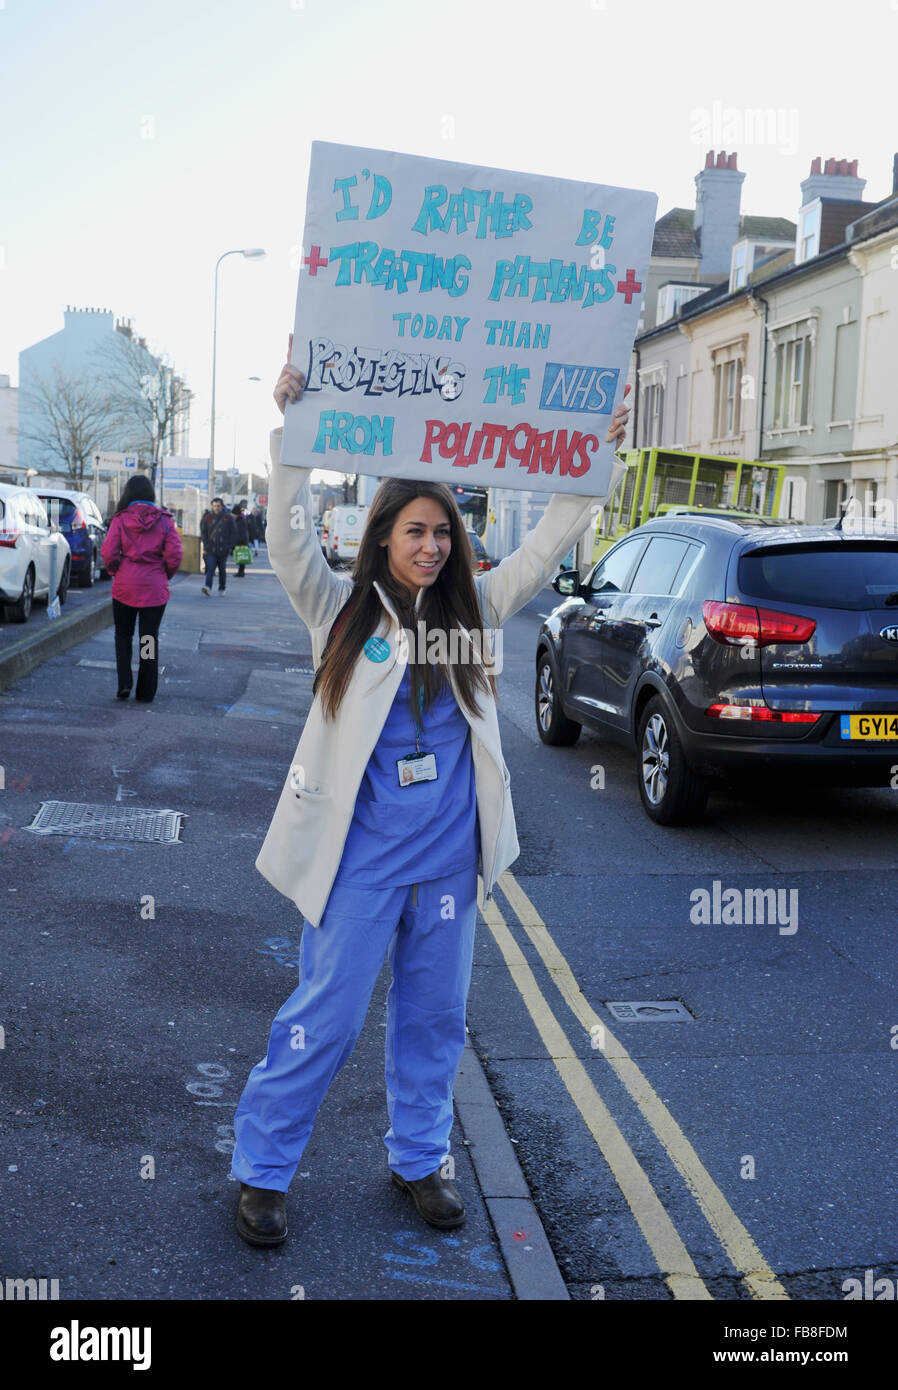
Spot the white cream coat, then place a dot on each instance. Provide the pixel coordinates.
(304, 844)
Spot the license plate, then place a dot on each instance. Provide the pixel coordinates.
(880, 728)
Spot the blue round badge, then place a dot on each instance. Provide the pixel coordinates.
(376, 649)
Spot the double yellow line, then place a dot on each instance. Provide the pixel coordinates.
(662, 1237)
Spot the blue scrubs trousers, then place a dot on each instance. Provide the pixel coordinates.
(428, 931)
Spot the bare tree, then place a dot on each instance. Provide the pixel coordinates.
(147, 401)
(68, 419)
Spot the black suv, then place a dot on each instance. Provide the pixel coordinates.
(717, 647)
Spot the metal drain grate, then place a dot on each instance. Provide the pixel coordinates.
(108, 822)
(650, 1011)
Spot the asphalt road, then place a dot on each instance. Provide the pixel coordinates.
(744, 1153)
(767, 1121)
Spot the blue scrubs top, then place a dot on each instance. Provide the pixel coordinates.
(403, 835)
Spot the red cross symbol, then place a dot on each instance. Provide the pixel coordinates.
(316, 259)
(629, 286)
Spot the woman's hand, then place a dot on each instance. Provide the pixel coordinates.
(618, 426)
(290, 383)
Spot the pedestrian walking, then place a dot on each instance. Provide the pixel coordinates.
(254, 522)
(261, 523)
(142, 550)
(243, 556)
(375, 859)
(218, 534)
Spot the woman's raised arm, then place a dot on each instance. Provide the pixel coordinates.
(316, 593)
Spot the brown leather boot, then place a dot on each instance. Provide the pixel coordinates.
(262, 1215)
(436, 1199)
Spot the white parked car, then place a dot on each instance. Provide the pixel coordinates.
(33, 553)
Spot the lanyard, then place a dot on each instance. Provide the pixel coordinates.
(419, 719)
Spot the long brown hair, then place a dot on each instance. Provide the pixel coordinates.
(137, 489)
(449, 604)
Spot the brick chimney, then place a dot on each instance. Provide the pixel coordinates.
(718, 194)
(837, 179)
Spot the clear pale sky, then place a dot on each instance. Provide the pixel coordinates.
(140, 140)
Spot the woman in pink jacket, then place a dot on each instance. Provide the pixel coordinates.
(142, 551)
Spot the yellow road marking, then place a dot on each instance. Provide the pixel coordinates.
(662, 1237)
(738, 1245)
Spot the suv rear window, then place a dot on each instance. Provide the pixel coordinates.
(830, 576)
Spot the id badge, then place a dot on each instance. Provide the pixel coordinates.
(416, 767)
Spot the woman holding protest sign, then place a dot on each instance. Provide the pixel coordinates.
(398, 795)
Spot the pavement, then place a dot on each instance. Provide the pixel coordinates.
(23, 646)
(142, 978)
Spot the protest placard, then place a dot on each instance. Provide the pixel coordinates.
(464, 324)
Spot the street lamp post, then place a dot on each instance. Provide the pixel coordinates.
(253, 253)
(235, 469)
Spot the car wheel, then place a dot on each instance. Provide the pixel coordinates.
(552, 723)
(20, 611)
(90, 573)
(62, 592)
(671, 792)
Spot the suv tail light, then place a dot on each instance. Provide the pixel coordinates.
(739, 625)
(9, 538)
(762, 713)
(78, 522)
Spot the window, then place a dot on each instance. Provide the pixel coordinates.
(671, 299)
(835, 495)
(739, 265)
(727, 398)
(681, 405)
(792, 382)
(809, 232)
(687, 569)
(32, 511)
(658, 566)
(844, 370)
(60, 509)
(652, 417)
(611, 574)
(797, 375)
(831, 576)
(794, 499)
